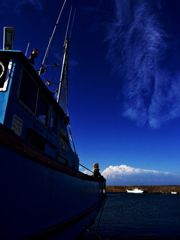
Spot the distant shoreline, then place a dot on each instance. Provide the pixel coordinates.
(146, 188)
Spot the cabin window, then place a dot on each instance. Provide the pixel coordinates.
(64, 140)
(62, 159)
(42, 109)
(5, 70)
(28, 91)
(54, 121)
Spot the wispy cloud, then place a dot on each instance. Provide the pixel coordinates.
(18, 4)
(143, 49)
(127, 175)
(37, 4)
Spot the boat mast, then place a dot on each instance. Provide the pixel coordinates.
(50, 40)
(63, 85)
(62, 94)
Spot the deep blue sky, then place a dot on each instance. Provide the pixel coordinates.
(124, 80)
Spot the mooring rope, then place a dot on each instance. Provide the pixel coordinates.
(100, 215)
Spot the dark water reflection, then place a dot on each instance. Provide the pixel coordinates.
(138, 216)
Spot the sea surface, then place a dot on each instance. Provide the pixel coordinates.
(137, 216)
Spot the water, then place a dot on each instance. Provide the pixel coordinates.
(137, 216)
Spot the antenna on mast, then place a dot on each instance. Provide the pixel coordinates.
(72, 23)
(50, 40)
(27, 48)
(67, 29)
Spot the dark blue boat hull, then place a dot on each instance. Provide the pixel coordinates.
(41, 198)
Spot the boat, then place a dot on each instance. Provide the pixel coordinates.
(173, 192)
(44, 195)
(135, 190)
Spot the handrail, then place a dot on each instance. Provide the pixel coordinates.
(85, 168)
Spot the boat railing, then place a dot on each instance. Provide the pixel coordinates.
(86, 168)
(95, 171)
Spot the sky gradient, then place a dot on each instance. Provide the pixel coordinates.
(124, 80)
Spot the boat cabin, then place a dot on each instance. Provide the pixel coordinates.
(31, 112)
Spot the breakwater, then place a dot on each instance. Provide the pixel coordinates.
(147, 189)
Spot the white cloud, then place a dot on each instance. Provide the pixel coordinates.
(127, 175)
(119, 171)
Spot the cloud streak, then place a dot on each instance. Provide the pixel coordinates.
(143, 50)
(18, 4)
(127, 175)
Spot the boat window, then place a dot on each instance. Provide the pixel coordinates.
(28, 91)
(64, 140)
(42, 109)
(5, 69)
(54, 121)
(62, 159)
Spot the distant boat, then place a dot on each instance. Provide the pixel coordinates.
(135, 190)
(43, 193)
(173, 192)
